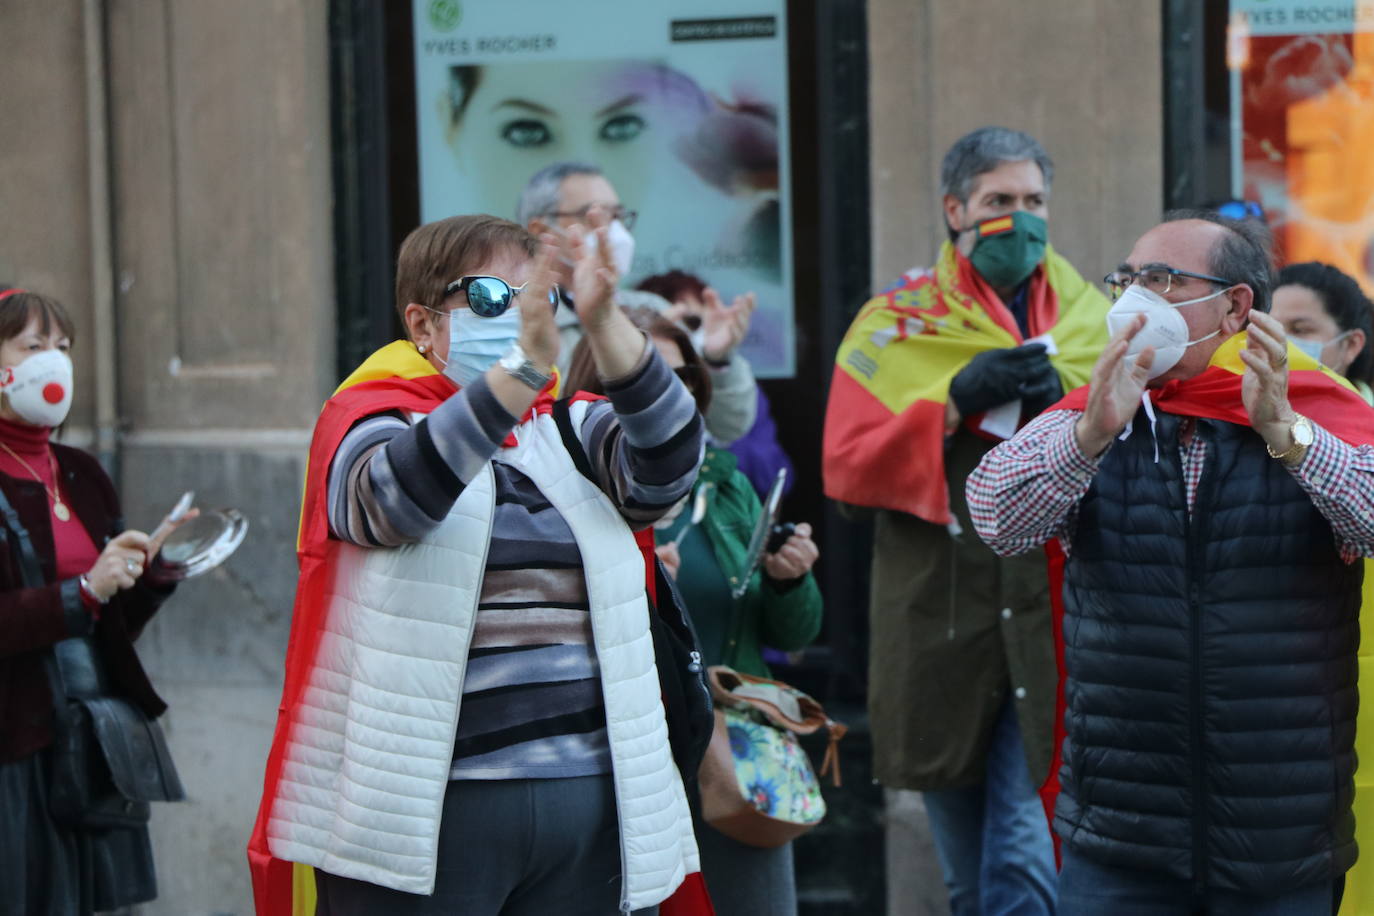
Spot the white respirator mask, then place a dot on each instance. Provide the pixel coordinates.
(40, 388)
(622, 245)
(1165, 329)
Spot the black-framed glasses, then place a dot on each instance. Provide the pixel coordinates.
(1157, 279)
(627, 217)
(491, 296)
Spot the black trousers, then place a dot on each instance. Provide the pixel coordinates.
(510, 847)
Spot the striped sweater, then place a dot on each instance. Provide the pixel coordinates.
(532, 703)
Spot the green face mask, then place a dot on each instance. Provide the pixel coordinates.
(1007, 248)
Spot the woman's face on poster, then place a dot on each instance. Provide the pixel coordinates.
(509, 120)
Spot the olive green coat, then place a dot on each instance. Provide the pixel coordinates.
(955, 631)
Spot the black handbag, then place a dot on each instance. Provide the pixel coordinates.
(109, 759)
(677, 651)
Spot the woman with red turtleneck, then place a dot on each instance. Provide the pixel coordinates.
(93, 584)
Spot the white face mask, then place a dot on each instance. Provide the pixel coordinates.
(40, 388)
(622, 246)
(1315, 348)
(476, 343)
(1165, 329)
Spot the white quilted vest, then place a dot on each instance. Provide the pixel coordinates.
(367, 759)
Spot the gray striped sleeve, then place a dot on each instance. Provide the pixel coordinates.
(646, 444)
(391, 482)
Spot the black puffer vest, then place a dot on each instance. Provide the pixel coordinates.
(1211, 670)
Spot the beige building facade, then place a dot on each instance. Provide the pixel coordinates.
(165, 170)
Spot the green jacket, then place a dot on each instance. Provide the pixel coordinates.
(955, 632)
(788, 618)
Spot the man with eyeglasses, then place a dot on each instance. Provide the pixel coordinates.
(931, 374)
(565, 194)
(1213, 489)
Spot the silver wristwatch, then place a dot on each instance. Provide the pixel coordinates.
(519, 366)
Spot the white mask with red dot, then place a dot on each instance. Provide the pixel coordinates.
(40, 388)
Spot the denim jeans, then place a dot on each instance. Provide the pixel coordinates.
(1089, 889)
(993, 839)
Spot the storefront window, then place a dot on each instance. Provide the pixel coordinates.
(1270, 110)
(687, 114)
(1306, 76)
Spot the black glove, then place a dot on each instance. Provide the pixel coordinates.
(1040, 393)
(996, 377)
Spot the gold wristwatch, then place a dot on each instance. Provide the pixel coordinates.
(1302, 438)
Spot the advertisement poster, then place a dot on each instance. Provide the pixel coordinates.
(682, 103)
(1305, 74)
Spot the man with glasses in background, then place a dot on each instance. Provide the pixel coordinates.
(566, 194)
(1213, 488)
(931, 374)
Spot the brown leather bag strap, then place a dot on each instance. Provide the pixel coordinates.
(832, 750)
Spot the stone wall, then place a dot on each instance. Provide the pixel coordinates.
(219, 162)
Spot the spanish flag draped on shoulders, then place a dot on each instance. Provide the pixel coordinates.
(885, 421)
(394, 378)
(1314, 391)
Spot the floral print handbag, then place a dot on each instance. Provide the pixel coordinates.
(757, 784)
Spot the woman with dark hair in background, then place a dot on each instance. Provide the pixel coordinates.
(1328, 317)
(699, 309)
(91, 578)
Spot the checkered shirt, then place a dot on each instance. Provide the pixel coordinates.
(1026, 490)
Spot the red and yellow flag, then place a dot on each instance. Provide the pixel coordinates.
(884, 424)
(396, 377)
(1324, 397)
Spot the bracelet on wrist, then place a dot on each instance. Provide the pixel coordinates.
(89, 592)
(520, 367)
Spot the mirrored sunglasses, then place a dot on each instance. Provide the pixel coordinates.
(489, 297)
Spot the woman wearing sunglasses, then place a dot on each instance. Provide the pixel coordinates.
(471, 721)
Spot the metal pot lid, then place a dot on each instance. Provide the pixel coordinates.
(204, 542)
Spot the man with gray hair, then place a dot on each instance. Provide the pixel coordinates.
(1213, 490)
(932, 373)
(565, 194)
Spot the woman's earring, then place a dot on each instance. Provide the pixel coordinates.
(422, 349)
